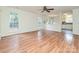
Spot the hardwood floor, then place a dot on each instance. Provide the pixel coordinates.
(40, 41)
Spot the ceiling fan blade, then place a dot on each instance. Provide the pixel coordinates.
(51, 9)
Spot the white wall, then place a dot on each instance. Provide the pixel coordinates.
(0, 25)
(27, 21)
(76, 21)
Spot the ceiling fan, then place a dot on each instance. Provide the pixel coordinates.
(46, 9)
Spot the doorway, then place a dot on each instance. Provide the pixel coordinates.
(67, 27)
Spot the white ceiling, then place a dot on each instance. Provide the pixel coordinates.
(38, 9)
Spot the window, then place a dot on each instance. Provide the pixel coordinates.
(14, 20)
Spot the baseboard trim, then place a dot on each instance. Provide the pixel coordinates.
(19, 33)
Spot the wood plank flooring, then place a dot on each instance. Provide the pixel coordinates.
(42, 41)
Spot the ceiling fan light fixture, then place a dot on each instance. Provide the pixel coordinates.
(53, 15)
